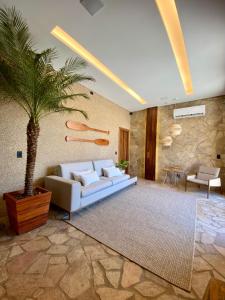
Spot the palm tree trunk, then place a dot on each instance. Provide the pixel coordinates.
(33, 130)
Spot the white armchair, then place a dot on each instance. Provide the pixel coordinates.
(206, 176)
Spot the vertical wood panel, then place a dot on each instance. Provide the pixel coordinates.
(150, 147)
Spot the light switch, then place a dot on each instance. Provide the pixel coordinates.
(19, 154)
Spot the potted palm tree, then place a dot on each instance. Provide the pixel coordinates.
(28, 78)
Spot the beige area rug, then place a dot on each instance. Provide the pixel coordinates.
(151, 225)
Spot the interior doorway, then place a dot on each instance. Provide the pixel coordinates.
(124, 136)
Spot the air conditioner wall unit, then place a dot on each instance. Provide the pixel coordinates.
(189, 112)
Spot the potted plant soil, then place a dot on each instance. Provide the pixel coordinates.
(28, 78)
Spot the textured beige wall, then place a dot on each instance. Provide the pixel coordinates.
(137, 143)
(201, 139)
(52, 148)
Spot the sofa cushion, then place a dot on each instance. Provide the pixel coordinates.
(100, 164)
(116, 179)
(198, 181)
(204, 177)
(95, 187)
(66, 170)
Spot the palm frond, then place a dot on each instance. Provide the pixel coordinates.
(72, 109)
(72, 96)
(28, 77)
(66, 109)
(15, 37)
(46, 57)
(73, 64)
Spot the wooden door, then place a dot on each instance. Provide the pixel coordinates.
(150, 147)
(123, 144)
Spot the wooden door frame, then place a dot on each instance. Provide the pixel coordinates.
(128, 146)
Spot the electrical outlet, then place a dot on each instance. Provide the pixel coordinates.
(218, 156)
(19, 154)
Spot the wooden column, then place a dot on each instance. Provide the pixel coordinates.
(150, 147)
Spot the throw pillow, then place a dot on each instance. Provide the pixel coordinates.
(89, 178)
(77, 174)
(112, 171)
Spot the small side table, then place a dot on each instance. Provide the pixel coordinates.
(173, 173)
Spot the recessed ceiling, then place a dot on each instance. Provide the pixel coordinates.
(170, 18)
(129, 37)
(70, 42)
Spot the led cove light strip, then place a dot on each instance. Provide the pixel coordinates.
(169, 15)
(65, 38)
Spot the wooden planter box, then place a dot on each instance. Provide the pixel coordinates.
(28, 213)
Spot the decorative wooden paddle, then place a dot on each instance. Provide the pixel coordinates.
(82, 127)
(100, 142)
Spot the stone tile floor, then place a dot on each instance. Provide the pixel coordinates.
(59, 262)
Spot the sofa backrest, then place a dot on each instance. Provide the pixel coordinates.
(206, 173)
(100, 164)
(65, 170)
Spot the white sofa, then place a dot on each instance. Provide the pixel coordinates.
(71, 196)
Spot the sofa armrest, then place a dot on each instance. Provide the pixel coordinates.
(215, 182)
(65, 192)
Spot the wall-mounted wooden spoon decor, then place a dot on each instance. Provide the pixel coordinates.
(100, 142)
(82, 127)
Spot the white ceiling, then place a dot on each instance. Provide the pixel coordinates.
(128, 36)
